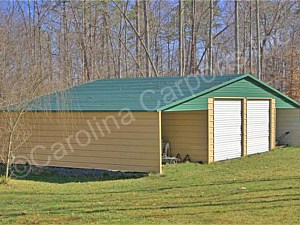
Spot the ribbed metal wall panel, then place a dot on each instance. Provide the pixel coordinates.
(258, 126)
(227, 129)
(288, 120)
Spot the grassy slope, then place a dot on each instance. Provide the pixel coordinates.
(257, 189)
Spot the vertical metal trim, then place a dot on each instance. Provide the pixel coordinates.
(159, 142)
(272, 124)
(210, 129)
(244, 132)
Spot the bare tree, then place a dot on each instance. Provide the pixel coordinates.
(140, 38)
(14, 102)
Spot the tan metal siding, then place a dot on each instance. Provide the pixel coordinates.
(187, 132)
(129, 143)
(289, 120)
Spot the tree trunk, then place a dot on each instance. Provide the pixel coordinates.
(125, 41)
(156, 37)
(147, 40)
(245, 46)
(137, 35)
(120, 36)
(258, 67)
(193, 37)
(210, 66)
(106, 49)
(85, 70)
(250, 37)
(9, 151)
(141, 40)
(181, 37)
(237, 40)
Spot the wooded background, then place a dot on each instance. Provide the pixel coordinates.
(66, 43)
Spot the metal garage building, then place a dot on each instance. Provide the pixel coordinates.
(119, 124)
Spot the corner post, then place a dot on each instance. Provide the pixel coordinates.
(272, 123)
(210, 129)
(244, 127)
(159, 142)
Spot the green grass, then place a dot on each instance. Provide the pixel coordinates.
(260, 189)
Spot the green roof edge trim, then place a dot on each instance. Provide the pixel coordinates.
(173, 104)
(293, 101)
(81, 111)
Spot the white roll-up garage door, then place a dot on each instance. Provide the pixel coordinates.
(258, 126)
(227, 129)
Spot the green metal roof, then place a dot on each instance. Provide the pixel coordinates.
(138, 94)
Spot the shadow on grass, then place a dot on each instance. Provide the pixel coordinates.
(61, 175)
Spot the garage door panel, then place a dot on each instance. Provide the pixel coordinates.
(225, 146)
(232, 137)
(226, 155)
(223, 123)
(257, 121)
(225, 143)
(259, 146)
(258, 135)
(227, 129)
(258, 131)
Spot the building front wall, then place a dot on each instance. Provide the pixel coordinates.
(187, 132)
(288, 120)
(212, 132)
(126, 141)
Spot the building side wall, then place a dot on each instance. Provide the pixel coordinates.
(187, 133)
(288, 120)
(97, 140)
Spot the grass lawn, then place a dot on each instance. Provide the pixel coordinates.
(257, 189)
